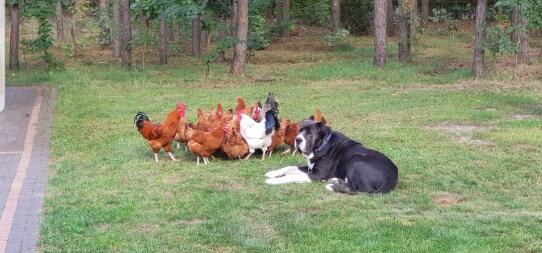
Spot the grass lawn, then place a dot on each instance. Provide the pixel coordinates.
(468, 155)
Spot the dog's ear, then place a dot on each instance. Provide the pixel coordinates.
(322, 129)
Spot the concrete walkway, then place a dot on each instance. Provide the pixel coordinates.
(25, 134)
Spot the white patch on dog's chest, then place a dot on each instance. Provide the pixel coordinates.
(308, 158)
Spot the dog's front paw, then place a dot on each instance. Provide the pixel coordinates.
(332, 181)
(272, 181)
(271, 174)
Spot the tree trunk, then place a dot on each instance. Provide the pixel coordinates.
(479, 37)
(335, 15)
(176, 31)
(59, 22)
(403, 44)
(380, 51)
(425, 13)
(515, 24)
(391, 23)
(163, 40)
(283, 12)
(222, 33)
(204, 46)
(105, 39)
(240, 50)
(125, 34)
(115, 31)
(234, 19)
(406, 11)
(196, 36)
(523, 35)
(14, 37)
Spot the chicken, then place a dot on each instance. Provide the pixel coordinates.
(291, 132)
(234, 144)
(160, 135)
(278, 138)
(250, 110)
(208, 121)
(180, 135)
(258, 135)
(204, 143)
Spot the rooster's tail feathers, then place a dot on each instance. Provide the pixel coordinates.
(139, 119)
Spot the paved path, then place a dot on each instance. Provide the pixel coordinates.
(24, 161)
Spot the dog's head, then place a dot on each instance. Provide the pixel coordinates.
(311, 135)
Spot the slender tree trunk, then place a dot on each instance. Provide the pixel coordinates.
(283, 12)
(105, 38)
(335, 15)
(391, 22)
(523, 35)
(163, 40)
(403, 44)
(515, 24)
(125, 35)
(234, 19)
(14, 37)
(115, 31)
(176, 31)
(425, 13)
(203, 41)
(380, 50)
(240, 50)
(222, 33)
(196, 36)
(406, 8)
(59, 22)
(479, 37)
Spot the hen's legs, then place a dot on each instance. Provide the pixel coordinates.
(156, 157)
(250, 152)
(171, 156)
(286, 151)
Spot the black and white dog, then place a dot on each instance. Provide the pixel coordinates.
(347, 166)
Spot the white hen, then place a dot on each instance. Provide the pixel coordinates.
(254, 134)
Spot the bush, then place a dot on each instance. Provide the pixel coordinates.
(311, 12)
(334, 39)
(357, 15)
(440, 15)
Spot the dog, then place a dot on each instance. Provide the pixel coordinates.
(346, 165)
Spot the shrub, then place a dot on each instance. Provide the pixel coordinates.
(311, 12)
(357, 15)
(334, 39)
(440, 15)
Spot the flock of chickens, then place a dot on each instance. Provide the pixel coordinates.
(234, 133)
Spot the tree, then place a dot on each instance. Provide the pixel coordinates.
(406, 9)
(105, 38)
(125, 34)
(515, 23)
(163, 40)
(14, 10)
(335, 15)
(523, 34)
(59, 22)
(380, 49)
(241, 34)
(479, 37)
(283, 13)
(196, 35)
(115, 31)
(425, 13)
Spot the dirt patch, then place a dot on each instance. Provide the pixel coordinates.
(521, 116)
(194, 221)
(463, 133)
(448, 67)
(147, 227)
(447, 199)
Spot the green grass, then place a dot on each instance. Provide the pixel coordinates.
(106, 194)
